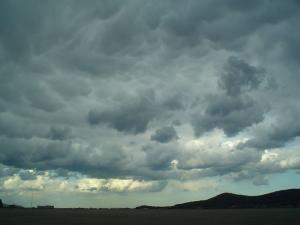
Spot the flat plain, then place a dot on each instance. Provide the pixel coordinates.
(150, 217)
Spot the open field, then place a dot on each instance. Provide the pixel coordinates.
(143, 217)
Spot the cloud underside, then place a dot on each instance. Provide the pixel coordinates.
(131, 94)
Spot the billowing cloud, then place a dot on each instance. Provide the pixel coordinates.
(126, 96)
(240, 77)
(57, 133)
(165, 134)
(44, 183)
(116, 185)
(132, 116)
(233, 110)
(232, 114)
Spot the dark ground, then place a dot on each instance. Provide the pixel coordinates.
(142, 217)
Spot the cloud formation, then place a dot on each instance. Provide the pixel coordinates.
(148, 92)
(164, 135)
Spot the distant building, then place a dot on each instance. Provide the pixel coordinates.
(45, 207)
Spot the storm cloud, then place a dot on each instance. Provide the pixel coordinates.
(234, 109)
(165, 134)
(150, 93)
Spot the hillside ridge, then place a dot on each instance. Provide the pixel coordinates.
(277, 199)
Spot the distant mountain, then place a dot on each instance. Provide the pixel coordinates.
(285, 198)
(149, 207)
(278, 199)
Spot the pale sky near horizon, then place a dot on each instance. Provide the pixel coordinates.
(119, 103)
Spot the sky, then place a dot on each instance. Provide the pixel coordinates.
(121, 103)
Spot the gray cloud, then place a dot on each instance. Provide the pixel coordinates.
(74, 72)
(132, 116)
(44, 154)
(276, 134)
(240, 77)
(164, 135)
(7, 171)
(234, 110)
(159, 157)
(57, 133)
(228, 113)
(27, 175)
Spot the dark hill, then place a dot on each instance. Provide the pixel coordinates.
(148, 207)
(278, 199)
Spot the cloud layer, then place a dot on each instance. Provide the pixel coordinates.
(148, 92)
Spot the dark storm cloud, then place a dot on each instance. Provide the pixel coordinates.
(164, 135)
(235, 109)
(27, 175)
(31, 153)
(277, 134)
(31, 28)
(71, 69)
(43, 155)
(7, 171)
(14, 126)
(127, 25)
(13, 35)
(159, 157)
(240, 77)
(58, 133)
(17, 88)
(232, 114)
(227, 26)
(36, 29)
(132, 116)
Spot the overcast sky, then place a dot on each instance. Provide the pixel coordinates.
(120, 103)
